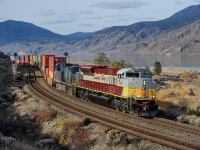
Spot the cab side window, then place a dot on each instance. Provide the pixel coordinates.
(121, 76)
(132, 74)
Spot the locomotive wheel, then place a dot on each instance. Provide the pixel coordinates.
(123, 106)
(112, 105)
(84, 95)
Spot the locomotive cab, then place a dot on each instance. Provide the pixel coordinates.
(140, 90)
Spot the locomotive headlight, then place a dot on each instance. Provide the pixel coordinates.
(144, 82)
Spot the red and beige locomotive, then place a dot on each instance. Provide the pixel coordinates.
(127, 89)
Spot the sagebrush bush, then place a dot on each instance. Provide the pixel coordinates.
(195, 112)
(185, 74)
(73, 135)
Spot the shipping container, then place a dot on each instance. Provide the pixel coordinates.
(51, 63)
(31, 57)
(47, 72)
(45, 60)
(21, 59)
(31, 63)
(35, 60)
(44, 69)
(51, 74)
(39, 59)
(17, 60)
(27, 60)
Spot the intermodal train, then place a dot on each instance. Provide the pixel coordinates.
(127, 89)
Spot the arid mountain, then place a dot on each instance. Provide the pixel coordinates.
(178, 34)
(18, 31)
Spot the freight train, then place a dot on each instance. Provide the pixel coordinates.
(126, 89)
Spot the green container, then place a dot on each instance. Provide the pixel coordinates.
(39, 59)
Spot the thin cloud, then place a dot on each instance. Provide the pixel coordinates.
(85, 25)
(96, 18)
(177, 2)
(61, 21)
(47, 13)
(120, 5)
(198, 1)
(87, 12)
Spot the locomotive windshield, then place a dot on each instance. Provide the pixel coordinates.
(146, 75)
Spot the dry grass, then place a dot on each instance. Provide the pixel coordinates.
(171, 72)
(163, 94)
(174, 84)
(157, 78)
(42, 115)
(177, 94)
(198, 80)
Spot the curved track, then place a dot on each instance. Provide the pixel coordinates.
(171, 141)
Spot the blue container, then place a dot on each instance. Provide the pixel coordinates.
(22, 59)
(44, 68)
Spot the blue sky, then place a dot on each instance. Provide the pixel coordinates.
(69, 16)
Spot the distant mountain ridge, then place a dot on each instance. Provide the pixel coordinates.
(18, 31)
(178, 34)
(178, 20)
(78, 35)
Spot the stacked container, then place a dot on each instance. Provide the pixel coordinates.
(39, 61)
(27, 60)
(31, 60)
(51, 66)
(17, 60)
(45, 62)
(21, 59)
(34, 60)
(47, 72)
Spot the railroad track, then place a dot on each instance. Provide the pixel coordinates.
(174, 142)
(165, 123)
